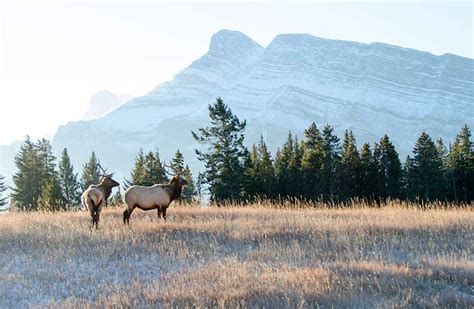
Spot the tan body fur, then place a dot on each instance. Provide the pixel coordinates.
(158, 197)
(95, 197)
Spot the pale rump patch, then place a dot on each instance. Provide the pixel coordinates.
(95, 195)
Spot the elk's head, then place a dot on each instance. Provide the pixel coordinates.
(108, 181)
(107, 178)
(179, 181)
(176, 178)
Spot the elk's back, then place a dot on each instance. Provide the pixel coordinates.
(147, 197)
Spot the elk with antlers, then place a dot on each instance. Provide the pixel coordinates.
(158, 196)
(96, 196)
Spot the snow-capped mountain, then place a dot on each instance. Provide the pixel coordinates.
(372, 89)
(103, 102)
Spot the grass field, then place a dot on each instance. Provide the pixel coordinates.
(240, 256)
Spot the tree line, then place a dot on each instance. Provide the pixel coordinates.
(321, 167)
(41, 184)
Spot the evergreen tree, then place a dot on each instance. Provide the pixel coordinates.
(90, 172)
(443, 157)
(47, 160)
(251, 183)
(284, 168)
(154, 171)
(138, 174)
(224, 170)
(425, 170)
(189, 191)
(177, 164)
(312, 161)
(265, 173)
(51, 198)
(70, 186)
(28, 179)
(296, 174)
(330, 162)
(350, 168)
(461, 166)
(368, 173)
(3, 188)
(117, 199)
(389, 170)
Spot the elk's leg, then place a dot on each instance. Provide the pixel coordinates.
(159, 210)
(126, 214)
(163, 210)
(95, 219)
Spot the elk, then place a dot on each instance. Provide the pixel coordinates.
(158, 196)
(96, 196)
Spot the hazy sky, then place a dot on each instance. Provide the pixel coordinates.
(55, 56)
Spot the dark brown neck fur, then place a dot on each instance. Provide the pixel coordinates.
(104, 188)
(174, 190)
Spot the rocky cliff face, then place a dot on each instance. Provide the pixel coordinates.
(372, 89)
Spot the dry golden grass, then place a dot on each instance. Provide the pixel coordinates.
(253, 256)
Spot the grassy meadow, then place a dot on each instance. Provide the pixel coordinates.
(242, 256)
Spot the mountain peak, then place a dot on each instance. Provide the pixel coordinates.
(226, 40)
(102, 103)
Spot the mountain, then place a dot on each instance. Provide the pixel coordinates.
(102, 103)
(372, 89)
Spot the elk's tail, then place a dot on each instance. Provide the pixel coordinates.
(93, 203)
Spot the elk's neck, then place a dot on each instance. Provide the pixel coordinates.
(107, 190)
(175, 191)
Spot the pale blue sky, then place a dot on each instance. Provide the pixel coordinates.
(55, 56)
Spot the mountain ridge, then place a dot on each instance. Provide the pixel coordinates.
(372, 89)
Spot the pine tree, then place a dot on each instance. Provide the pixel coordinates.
(223, 161)
(117, 199)
(265, 173)
(251, 183)
(296, 174)
(177, 164)
(368, 173)
(90, 172)
(70, 186)
(28, 179)
(138, 174)
(284, 168)
(461, 166)
(425, 170)
(330, 162)
(47, 160)
(311, 161)
(3, 188)
(389, 170)
(444, 158)
(189, 191)
(349, 176)
(51, 198)
(153, 168)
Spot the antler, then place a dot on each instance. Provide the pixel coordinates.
(104, 171)
(165, 166)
